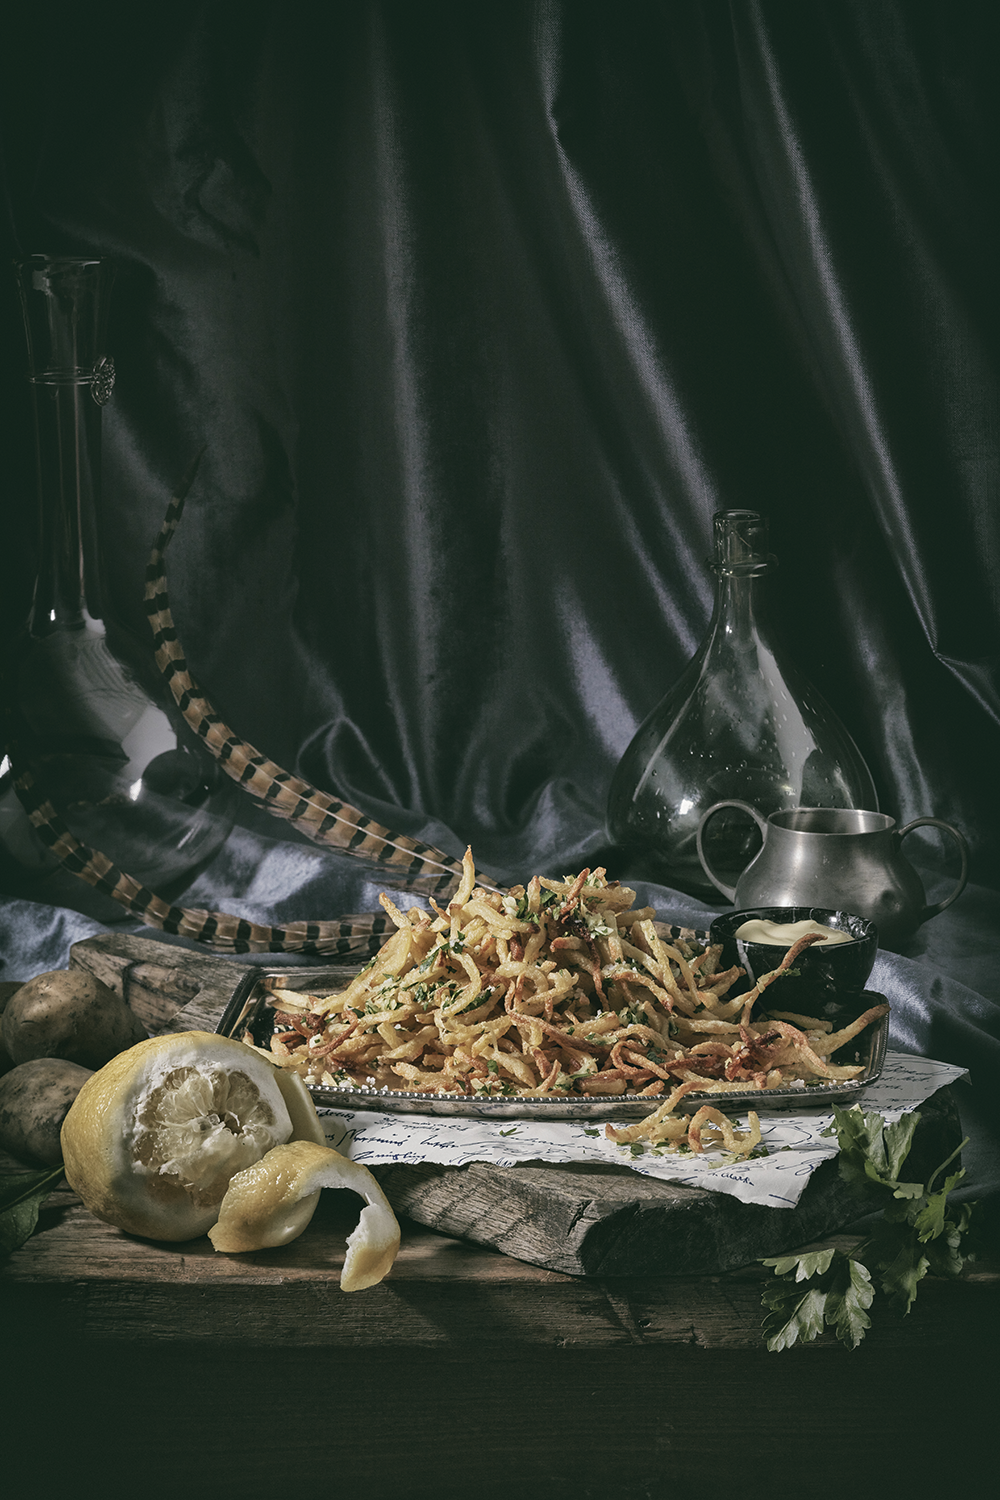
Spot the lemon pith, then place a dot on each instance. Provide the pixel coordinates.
(154, 1137)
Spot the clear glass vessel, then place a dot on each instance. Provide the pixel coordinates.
(740, 722)
(87, 713)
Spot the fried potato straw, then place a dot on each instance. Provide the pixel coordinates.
(559, 988)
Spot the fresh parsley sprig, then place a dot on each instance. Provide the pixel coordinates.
(21, 1197)
(919, 1233)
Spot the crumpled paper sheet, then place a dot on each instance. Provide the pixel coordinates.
(794, 1139)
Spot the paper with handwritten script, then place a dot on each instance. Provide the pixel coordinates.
(794, 1139)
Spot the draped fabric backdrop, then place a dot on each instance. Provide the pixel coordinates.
(480, 311)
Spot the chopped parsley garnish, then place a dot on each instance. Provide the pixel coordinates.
(633, 1015)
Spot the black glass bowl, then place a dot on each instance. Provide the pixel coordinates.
(829, 977)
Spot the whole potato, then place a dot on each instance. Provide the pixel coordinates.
(68, 1014)
(7, 989)
(34, 1100)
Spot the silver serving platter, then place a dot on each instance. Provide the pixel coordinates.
(249, 1016)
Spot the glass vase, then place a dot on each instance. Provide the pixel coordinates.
(740, 722)
(87, 713)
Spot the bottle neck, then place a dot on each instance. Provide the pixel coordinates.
(64, 301)
(68, 459)
(739, 619)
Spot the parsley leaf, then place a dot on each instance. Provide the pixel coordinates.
(812, 1263)
(870, 1150)
(20, 1199)
(918, 1234)
(793, 1314)
(847, 1303)
(838, 1296)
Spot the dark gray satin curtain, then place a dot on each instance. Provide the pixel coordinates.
(481, 311)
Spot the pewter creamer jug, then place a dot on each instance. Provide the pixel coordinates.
(843, 859)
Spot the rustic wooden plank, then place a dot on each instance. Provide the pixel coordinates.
(603, 1220)
(171, 988)
(79, 1279)
(266, 1307)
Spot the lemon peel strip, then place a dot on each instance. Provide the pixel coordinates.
(306, 1124)
(272, 1202)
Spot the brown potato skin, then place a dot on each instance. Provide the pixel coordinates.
(68, 1014)
(34, 1100)
(7, 990)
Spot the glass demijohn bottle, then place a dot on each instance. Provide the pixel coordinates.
(741, 723)
(88, 714)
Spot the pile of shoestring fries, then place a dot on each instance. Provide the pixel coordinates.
(554, 989)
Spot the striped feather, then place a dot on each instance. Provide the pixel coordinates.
(402, 861)
(348, 937)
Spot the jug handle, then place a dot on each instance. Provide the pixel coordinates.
(730, 891)
(963, 849)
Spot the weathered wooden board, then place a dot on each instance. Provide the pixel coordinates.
(169, 988)
(594, 1220)
(78, 1279)
(580, 1219)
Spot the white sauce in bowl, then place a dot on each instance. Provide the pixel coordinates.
(784, 934)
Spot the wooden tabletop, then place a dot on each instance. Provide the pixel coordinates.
(460, 1365)
(87, 1281)
(171, 1369)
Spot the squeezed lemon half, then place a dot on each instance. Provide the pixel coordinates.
(192, 1130)
(152, 1139)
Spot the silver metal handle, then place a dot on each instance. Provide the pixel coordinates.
(728, 891)
(963, 849)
